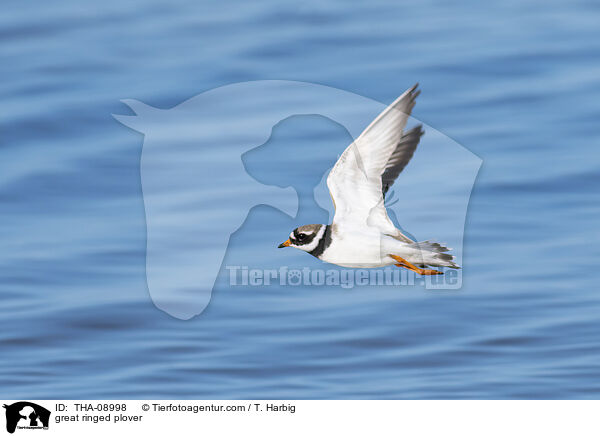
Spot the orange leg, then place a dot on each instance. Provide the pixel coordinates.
(406, 264)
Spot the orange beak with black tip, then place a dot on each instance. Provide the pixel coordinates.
(285, 244)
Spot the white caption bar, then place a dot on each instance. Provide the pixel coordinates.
(271, 417)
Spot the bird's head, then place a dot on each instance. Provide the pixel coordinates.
(305, 238)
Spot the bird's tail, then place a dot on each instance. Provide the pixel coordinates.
(434, 254)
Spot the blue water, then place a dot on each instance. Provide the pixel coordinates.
(517, 83)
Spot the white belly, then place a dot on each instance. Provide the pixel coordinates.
(359, 249)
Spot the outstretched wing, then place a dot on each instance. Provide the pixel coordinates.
(356, 181)
(401, 156)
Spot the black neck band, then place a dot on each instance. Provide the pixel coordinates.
(324, 242)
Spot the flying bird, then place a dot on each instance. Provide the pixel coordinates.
(361, 234)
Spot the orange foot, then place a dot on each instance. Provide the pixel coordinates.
(406, 264)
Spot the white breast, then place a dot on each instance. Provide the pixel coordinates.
(357, 248)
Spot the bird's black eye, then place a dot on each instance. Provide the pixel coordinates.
(301, 236)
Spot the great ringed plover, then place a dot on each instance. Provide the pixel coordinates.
(362, 235)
